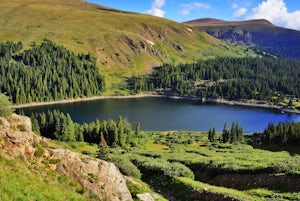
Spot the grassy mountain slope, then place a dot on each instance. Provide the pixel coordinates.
(261, 33)
(123, 42)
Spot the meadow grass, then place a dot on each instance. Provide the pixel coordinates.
(34, 182)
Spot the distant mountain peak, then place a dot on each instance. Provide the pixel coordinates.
(259, 32)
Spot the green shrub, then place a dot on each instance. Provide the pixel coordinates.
(5, 106)
(21, 127)
(38, 149)
(125, 166)
(170, 169)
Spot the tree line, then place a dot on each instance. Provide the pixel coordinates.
(47, 72)
(287, 133)
(267, 79)
(56, 125)
(235, 134)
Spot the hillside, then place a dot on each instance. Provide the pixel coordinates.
(123, 42)
(261, 33)
(33, 168)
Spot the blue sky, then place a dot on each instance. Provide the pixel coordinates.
(285, 13)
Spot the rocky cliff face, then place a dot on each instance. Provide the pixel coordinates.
(98, 177)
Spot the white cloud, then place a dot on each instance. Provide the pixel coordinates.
(158, 3)
(276, 12)
(156, 8)
(240, 12)
(187, 8)
(234, 6)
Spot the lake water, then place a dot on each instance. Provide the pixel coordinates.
(160, 114)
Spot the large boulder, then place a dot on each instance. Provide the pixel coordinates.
(98, 177)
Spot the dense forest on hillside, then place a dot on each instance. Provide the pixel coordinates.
(267, 79)
(47, 72)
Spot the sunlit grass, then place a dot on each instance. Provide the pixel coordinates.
(35, 182)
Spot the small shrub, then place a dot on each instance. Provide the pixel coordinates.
(5, 106)
(21, 127)
(38, 149)
(62, 179)
(92, 178)
(81, 191)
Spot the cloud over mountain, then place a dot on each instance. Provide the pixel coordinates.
(156, 8)
(187, 8)
(276, 12)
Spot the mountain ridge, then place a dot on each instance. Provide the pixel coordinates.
(214, 21)
(260, 33)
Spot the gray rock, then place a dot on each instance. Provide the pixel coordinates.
(96, 176)
(145, 197)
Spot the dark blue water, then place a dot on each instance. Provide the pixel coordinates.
(159, 114)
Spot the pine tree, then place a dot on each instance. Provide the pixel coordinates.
(225, 134)
(211, 134)
(137, 128)
(103, 148)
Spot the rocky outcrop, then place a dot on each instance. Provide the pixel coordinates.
(98, 177)
(16, 137)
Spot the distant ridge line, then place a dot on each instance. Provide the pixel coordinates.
(214, 22)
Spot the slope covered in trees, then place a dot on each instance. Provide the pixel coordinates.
(265, 79)
(47, 72)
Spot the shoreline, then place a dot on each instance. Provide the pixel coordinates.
(217, 101)
(66, 101)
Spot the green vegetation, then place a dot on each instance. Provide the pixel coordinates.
(234, 135)
(282, 134)
(189, 167)
(137, 186)
(262, 79)
(56, 125)
(5, 106)
(47, 72)
(123, 42)
(35, 182)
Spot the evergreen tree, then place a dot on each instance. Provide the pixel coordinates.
(137, 128)
(103, 148)
(211, 134)
(225, 134)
